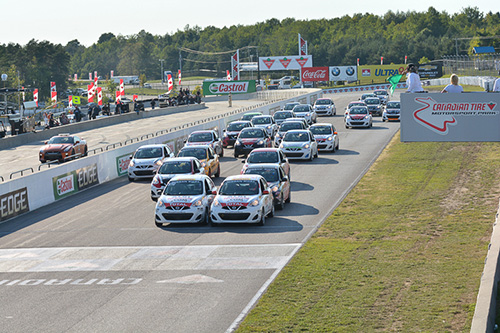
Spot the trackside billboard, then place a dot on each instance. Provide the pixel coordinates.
(226, 87)
(378, 73)
(450, 117)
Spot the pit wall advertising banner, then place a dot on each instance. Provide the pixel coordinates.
(310, 74)
(285, 63)
(343, 73)
(378, 73)
(14, 203)
(450, 117)
(74, 181)
(430, 70)
(122, 163)
(226, 87)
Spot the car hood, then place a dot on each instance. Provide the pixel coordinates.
(57, 146)
(232, 132)
(250, 140)
(236, 200)
(145, 161)
(301, 114)
(322, 136)
(289, 144)
(165, 177)
(357, 116)
(207, 143)
(179, 200)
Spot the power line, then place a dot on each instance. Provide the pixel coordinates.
(185, 49)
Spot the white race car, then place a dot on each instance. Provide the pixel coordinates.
(325, 106)
(242, 199)
(358, 116)
(305, 111)
(267, 123)
(299, 144)
(186, 199)
(326, 136)
(146, 160)
(392, 111)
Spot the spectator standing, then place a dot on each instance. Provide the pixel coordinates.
(95, 111)
(453, 87)
(413, 79)
(64, 119)
(118, 109)
(78, 114)
(496, 86)
(153, 104)
(89, 112)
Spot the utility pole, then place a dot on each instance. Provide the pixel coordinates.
(180, 60)
(162, 76)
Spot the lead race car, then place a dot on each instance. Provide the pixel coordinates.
(242, 199)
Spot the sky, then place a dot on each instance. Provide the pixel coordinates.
(60, 21)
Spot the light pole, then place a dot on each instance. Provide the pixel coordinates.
(4, 79)
(162, 76)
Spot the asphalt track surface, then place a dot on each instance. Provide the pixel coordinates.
(96, 262)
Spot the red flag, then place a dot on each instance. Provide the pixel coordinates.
(228, 75)
(170, 82)
(90, 92)
(118, 96)
(35, 96)
(122, 88)
(302, 46)
(99, 96)
(134, 97)
(54, 97)
(381, 60)
(179, 76)
(70, 101)
(358, 61)
(53, 86)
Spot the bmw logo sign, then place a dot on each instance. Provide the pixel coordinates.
(350, 71)
(335, 71)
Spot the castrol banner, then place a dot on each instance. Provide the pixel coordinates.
(315, 74)
(294, 62)
(450, 117)
(227, 87)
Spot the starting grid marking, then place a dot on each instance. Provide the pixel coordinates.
(161, 258)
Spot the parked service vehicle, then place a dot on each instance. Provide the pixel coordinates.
(325, 106)
(206, 155)
(267, 123)
(242, 199)
(358, 116)
(186, 199)
(326, 136)
(206, 137)
(290, 106)
(285, 127)
(267, 156)
(382, 95)
(374, 106)
(173, 167)
(351, 104)
(277, 180)
(249, 139)
(63, 147)
(305, 111)
(250, 115)
(232, 130)
(299, 144)
(392, 111)
(146, 160)
(281, 116)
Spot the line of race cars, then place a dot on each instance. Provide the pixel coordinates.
(360, 113)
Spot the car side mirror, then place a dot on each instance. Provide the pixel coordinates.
(196, 170)
(46, 142)
(214, 192)
(77, 142)
(265, 192)
(285, 178)
(130, 157)
(243, 161)
(335, 132)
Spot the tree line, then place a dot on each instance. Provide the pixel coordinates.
(337, 41)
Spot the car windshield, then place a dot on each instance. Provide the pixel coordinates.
(290, 125)
(199, 153)
(301, 108)
(249, 116)
(358, 110)
(372, 101)
(261, 120)
(200, 137)
(148, 153)
(368, 95)
(239, 187)
(184, 187)
(354, 104)
(175, 167)
(270, 174)
(321, 130)
(282, 115)
(323, 102)
(236, 127)
(263, 157)
(289, 106)
(296, 136)
(61, 140)
(380, 92)
(252, 133)
(394, 105)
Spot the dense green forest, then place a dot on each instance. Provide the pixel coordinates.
(336, 41)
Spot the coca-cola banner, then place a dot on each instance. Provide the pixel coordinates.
(294, 62)
(343, 73)
(315, 74)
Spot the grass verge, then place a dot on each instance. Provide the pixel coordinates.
(403, 252)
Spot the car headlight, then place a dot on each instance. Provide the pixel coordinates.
(281, 146)
(308, 114)
(131, 163)
(277, 135)
(330, 138)
(198, 203)
(254, 203)
(159, 163)
(261, 142)
(237, 143)
(216, 202)
(306, 146)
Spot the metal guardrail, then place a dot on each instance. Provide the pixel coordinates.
(278, 96)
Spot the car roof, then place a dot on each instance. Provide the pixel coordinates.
(153, 146)
(299, 131)
(244, 177)
(264, 149)
(196, 147)
(322, 124)
(240, 122)
(202, 131)
(295, 119)
(263, 166)
(180, 159)
(252, 129)
(190, 177)
(250, 113)
(324, 98)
